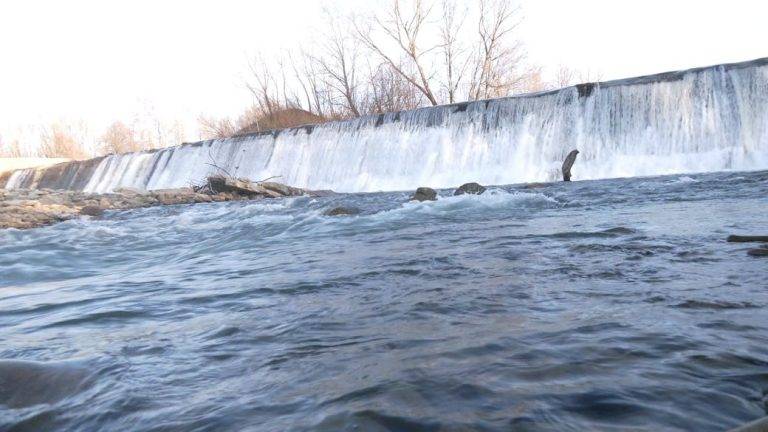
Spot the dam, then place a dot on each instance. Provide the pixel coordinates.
(699, 120)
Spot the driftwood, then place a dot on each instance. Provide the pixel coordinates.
(221, 184)
(569, 160)
(761, 252)
(746, 239)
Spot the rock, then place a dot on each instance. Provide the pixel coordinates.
(424, 194)
(536, 185)
(746, 239)
(319, 193)
(569, 160)
(282, 189)
(24, 209)
(342, 211)
(175, 196)
(91, 211)
(470, 188)
(761, 252)
(220, 184)
(128, 191)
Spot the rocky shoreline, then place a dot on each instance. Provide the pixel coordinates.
(32, 208)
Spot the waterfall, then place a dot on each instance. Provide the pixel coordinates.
(699, 120)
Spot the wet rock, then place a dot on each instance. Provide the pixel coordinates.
(244, 187)
(568, 163)
(342, 211)
(319, 193)
(28, 383)
(424, 194)
(127, 191)
(536, 185)
(746, 239)
(470, 188)
(760, 252)
(91, 211)
(282, 189)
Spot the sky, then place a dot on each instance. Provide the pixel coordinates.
(101, 61)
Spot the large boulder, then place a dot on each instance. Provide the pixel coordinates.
(424, 194)
(470, 188)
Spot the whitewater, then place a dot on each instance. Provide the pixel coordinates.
(699, 120)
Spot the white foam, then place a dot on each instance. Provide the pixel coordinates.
(709, 120)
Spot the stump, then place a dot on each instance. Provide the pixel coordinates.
(569, 160)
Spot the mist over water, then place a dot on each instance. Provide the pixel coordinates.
(609, 305)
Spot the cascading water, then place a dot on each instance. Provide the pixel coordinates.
(700, 120)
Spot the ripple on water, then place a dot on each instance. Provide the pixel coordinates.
(606, 305)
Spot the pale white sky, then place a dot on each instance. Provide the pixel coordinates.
(101, 61)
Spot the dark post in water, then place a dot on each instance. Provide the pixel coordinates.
(569, 160)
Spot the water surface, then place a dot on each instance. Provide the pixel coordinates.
(609, 305)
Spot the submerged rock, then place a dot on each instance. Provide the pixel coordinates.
(424, 194)
(761, 252)
(27, 383)
(536, 185)
(342, 211)
(90, 210)
(470, 188)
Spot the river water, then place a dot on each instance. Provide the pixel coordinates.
(606, 304)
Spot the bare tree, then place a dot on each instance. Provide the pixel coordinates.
(263, 85)
(564, 77)
(338, 64)
(12, 150)
(499, 56)
(403, 28)
(587, 76)
(453, 52)
(389, 91)
(215, 128)
(309, 77)
(119, 138)
(412, 59)
(58, 141)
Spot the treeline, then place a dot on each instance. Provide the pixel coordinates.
(407, 54)
(74, 140)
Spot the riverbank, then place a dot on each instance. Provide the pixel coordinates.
(32, 208)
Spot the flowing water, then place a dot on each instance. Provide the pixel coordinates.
(607, 304)
(701, 120)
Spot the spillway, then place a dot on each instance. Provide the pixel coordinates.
(698, 120)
